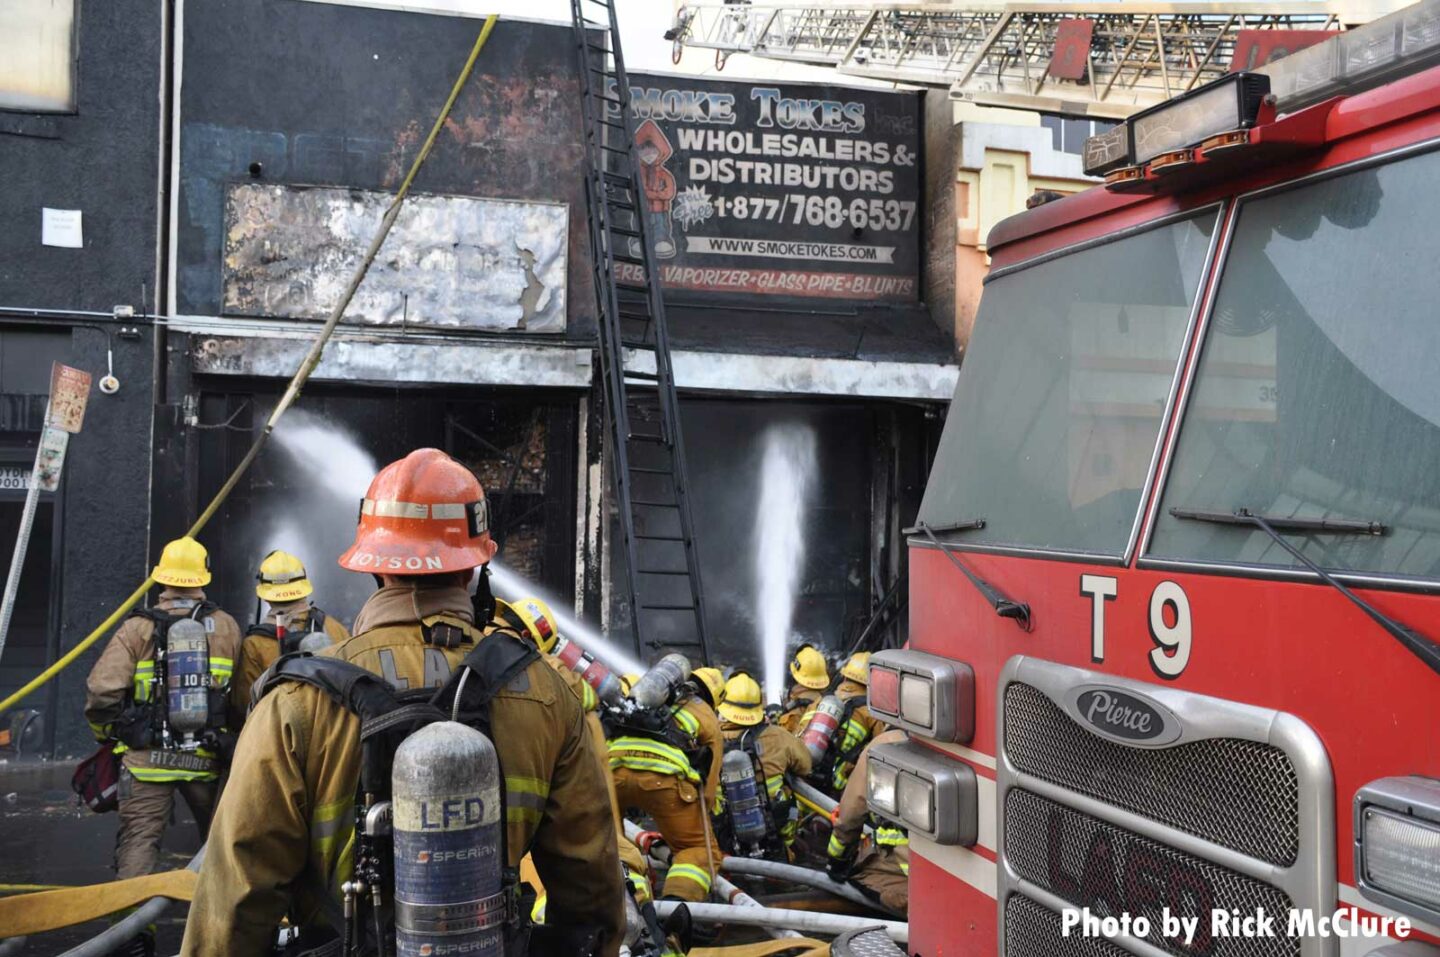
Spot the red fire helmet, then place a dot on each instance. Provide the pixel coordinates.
(423, 515)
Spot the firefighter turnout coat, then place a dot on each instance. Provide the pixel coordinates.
(283, 836)
(798, 707)
(261, 648)
(124, 676)
(781, 753)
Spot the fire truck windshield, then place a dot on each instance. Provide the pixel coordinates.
(1055, 421)
(1317, 394)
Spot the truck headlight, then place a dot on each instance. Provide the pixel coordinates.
(928, 793)
(1397, 844)
(880, 788)
(924, 694)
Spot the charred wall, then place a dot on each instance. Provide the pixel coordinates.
(313, 94)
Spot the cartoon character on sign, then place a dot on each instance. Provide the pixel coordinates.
(653, 149)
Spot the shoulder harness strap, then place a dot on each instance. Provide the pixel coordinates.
(491, 665)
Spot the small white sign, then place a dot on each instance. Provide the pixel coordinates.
(61, 227)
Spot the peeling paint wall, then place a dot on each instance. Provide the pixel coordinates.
(449, 261)
(282, 94)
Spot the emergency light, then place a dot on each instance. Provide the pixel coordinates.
(1229, 103)
(1237, 112)
(933, 796)
(924, 694)
(1397, 845)
(1385, 49)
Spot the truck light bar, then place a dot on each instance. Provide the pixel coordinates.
(1176, 143)
(909, 784)
(1397, 844)
(924, 694)
(1398, 44)
(1230, 103)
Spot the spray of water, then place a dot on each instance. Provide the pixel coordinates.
(787, 472)
(506, 584)
(332, 473)
(325, 475)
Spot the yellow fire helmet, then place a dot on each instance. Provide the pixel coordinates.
(809, 669)
(183, 564)
(744, 703)
(857, 669)
(713, 681)
(538, 621)
(627, 682)
(282, 578)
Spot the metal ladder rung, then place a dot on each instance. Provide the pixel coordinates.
(630, 302)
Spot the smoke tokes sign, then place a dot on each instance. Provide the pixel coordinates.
(780, 190)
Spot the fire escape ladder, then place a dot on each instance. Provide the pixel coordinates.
(642, 410)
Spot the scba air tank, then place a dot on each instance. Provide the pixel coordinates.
(657, 686)
(445, 788)
(596, 675)
(743, 800)
(821, 729)
(315, 642)
(187, 677)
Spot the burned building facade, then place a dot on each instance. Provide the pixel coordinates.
(790, 221)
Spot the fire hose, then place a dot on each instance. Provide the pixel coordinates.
(801, 875)
(52, 910)
(816, 799)
(292, 391)
(807, 921)
(739, 898)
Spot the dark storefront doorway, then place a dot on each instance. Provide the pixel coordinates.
(862, 467)
(304, 491)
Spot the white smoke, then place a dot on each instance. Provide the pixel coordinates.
(787, 472)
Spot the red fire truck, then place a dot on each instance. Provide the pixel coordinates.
(1175, 583)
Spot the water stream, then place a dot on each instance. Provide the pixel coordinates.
(787, 472)
(317, 523)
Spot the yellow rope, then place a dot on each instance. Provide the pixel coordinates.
(307, 366)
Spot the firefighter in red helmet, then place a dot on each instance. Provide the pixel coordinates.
(283, 836)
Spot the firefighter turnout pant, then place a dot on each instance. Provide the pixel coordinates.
(144, 813)
(680, 815)
(884, 873)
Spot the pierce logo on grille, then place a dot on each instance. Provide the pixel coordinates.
(1124, 716)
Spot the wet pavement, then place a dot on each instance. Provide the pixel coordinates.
(47, 838)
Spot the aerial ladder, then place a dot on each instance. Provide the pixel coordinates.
(1081, 59)
(642, 411)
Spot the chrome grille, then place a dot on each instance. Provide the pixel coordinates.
(1032, 930)
(1239, 794)
(1110, 870)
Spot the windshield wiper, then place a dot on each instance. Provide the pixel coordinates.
(974, 525)
(1243, 516)
(1018, 611)
(1417, 644)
